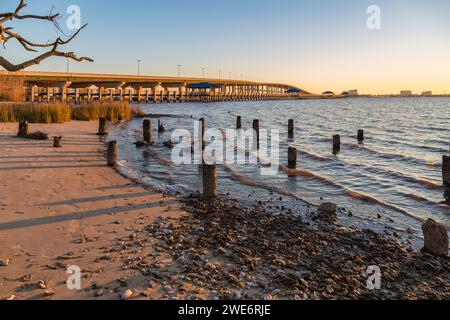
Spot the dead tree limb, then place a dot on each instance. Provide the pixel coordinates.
(7, 34)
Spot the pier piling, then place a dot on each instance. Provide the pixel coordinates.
(446, 171)
(239, 123)
(102, 127)
(209, 180)
(147, 131)
(112, 153)
(256, 129)
(161, 128)
(336, 143)
(291, 129)
(23, 129)
(436, 238)
(292, 158)
(360, 135)
(202, 132)
(57, 142)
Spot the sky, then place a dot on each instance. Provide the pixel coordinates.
(317, 45)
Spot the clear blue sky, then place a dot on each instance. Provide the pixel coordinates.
(316, 44)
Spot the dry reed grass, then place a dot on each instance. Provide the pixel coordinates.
(12, 88)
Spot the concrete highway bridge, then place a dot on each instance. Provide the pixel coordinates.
(77, 87)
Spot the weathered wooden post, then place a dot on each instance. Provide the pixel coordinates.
(336, 143)
(360, 135)
(446, 171)
(292, 158)
(102, 127)
(256, 129)
(161, 128)
(435, 238)
(147, 127)
(291, 129)
(23, 129)
(209, 180)
(112, 153)
(202, 131)
(57, 142)
(239, 123)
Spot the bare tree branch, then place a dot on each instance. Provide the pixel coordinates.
(6, 34)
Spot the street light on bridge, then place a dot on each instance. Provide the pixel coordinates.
(179, 70)
(139, 67)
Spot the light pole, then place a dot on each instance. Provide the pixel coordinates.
(179, 70)
(203, 70)
(220, 74)
(139, 67)
(230, 76)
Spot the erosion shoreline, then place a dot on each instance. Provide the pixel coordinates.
(63, 207)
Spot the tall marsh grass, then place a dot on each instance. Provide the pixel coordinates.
(35, 113)
(62, 112)
(112, 111)
(12, 88)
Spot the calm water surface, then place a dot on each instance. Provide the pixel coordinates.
(395, 173)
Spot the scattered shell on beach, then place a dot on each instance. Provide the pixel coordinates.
(41, 284)
(127, 294)
(4, 262)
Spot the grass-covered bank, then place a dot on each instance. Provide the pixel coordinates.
(61, 112)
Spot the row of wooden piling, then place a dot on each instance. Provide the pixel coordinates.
(209, 179)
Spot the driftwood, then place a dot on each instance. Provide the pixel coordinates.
(7, 33)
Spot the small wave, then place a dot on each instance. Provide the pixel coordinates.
(253, 183)
(366, 198)
(418, 198)
(150, 154)
(388, 155)
(307, 174)
(314, 156)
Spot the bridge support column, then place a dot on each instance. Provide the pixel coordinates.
(63, 88)
(32, 93)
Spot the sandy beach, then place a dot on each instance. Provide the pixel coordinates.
(61, 207)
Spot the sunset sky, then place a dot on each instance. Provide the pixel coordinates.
(317, 45)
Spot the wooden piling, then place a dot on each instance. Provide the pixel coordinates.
(336, 143)
(102, 127)
(23, 129)
(112, 153)
(446, 171)
(161, 128)
(291, 128)
(256, 129)
(209, 180)
(147, 131)
(202, 131)
(360, 135)
(57, 142)
(292, 158)
(239, 123)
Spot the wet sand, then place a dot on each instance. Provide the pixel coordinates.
(61, 207)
